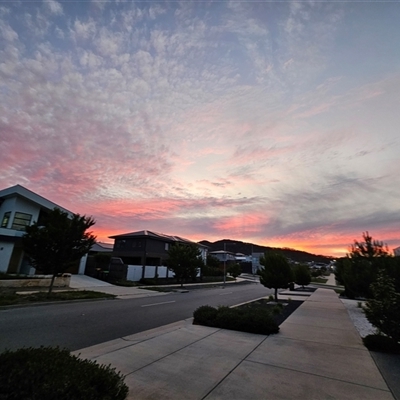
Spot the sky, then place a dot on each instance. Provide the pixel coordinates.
(271, 122)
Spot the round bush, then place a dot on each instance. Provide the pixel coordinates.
(205, 315)
(48, 373)
(381, 343)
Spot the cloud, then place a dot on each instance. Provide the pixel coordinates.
(54, 7)
(202, 120)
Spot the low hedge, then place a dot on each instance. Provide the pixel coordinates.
(48, 373)
(252, 320)
(382, 344)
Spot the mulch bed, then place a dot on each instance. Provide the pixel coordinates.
(288, 308)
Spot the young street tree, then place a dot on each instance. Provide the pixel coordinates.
(276, 272)
(59, 244)
(359, 269)
(302, 275)
(184, 260)
(235, 270)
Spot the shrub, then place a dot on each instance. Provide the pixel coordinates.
(205, 315)
(383, 310)
(48, 373)
(245, 319)
(381, 343)
(147, 281)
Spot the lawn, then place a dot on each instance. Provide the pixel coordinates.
(8, 298)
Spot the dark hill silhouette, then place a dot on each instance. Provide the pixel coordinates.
(236, 246)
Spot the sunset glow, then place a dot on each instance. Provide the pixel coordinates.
(275, 123)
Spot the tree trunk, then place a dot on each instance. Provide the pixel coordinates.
(276, 294)
(51, 284)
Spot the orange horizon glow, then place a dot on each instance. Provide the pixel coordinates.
(339, 248)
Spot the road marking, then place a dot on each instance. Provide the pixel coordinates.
(157, 304)
(223, 294)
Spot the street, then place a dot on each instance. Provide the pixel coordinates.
(81, 324)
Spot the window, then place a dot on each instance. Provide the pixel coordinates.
(166, 246)
(120, 243)
(21, 220)
(6, 218)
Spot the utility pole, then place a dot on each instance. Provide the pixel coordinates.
(224, 263)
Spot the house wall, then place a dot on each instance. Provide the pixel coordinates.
(19, 204)
(141, 247)
(6, 249)
(12, 256)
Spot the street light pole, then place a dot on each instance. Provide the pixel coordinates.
(224, 263)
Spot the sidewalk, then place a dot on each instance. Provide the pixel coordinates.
(318, 354)
(83, 282)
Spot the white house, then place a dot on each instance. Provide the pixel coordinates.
(19, 207)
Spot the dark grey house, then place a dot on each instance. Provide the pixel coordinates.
(147, 248)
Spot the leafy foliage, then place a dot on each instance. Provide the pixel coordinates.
(48, 373)
(184, 260)
(381, 343)
(205, 315)
(235, 270)
(252, 320)
(212, 267)
(302, 275)
(369, 248)
(62, 242)
(383, 309)
(359, 269)
(276, 272)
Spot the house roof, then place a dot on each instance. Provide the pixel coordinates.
(21, 191)
(221, 252)
(102, 247)
(155, 235)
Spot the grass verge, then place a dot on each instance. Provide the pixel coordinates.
(318, 280)
(7, 299)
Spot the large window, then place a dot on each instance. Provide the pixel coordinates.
(6, 218)
(21, 220)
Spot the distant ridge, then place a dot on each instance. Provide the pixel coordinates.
(236, 246)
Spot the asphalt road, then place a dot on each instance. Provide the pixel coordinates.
(82, 324)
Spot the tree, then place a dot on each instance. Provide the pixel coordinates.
(184, 260)
(302, 275)
(235, 270)
(59, 244)
(276, 272)
(383, 309)
(359, 269)
(212, 267)
(369, 248)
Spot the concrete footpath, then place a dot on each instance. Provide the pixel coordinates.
(317, 354)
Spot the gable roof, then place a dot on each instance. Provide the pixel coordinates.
(21, 191)
(157, 236)
(102, 247)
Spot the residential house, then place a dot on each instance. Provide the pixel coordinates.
(147, 251)
(396, 252)
(19, 207)
(223, 255)
(92, 265)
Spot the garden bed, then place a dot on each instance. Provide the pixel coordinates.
(262, 316)
(288, 307)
